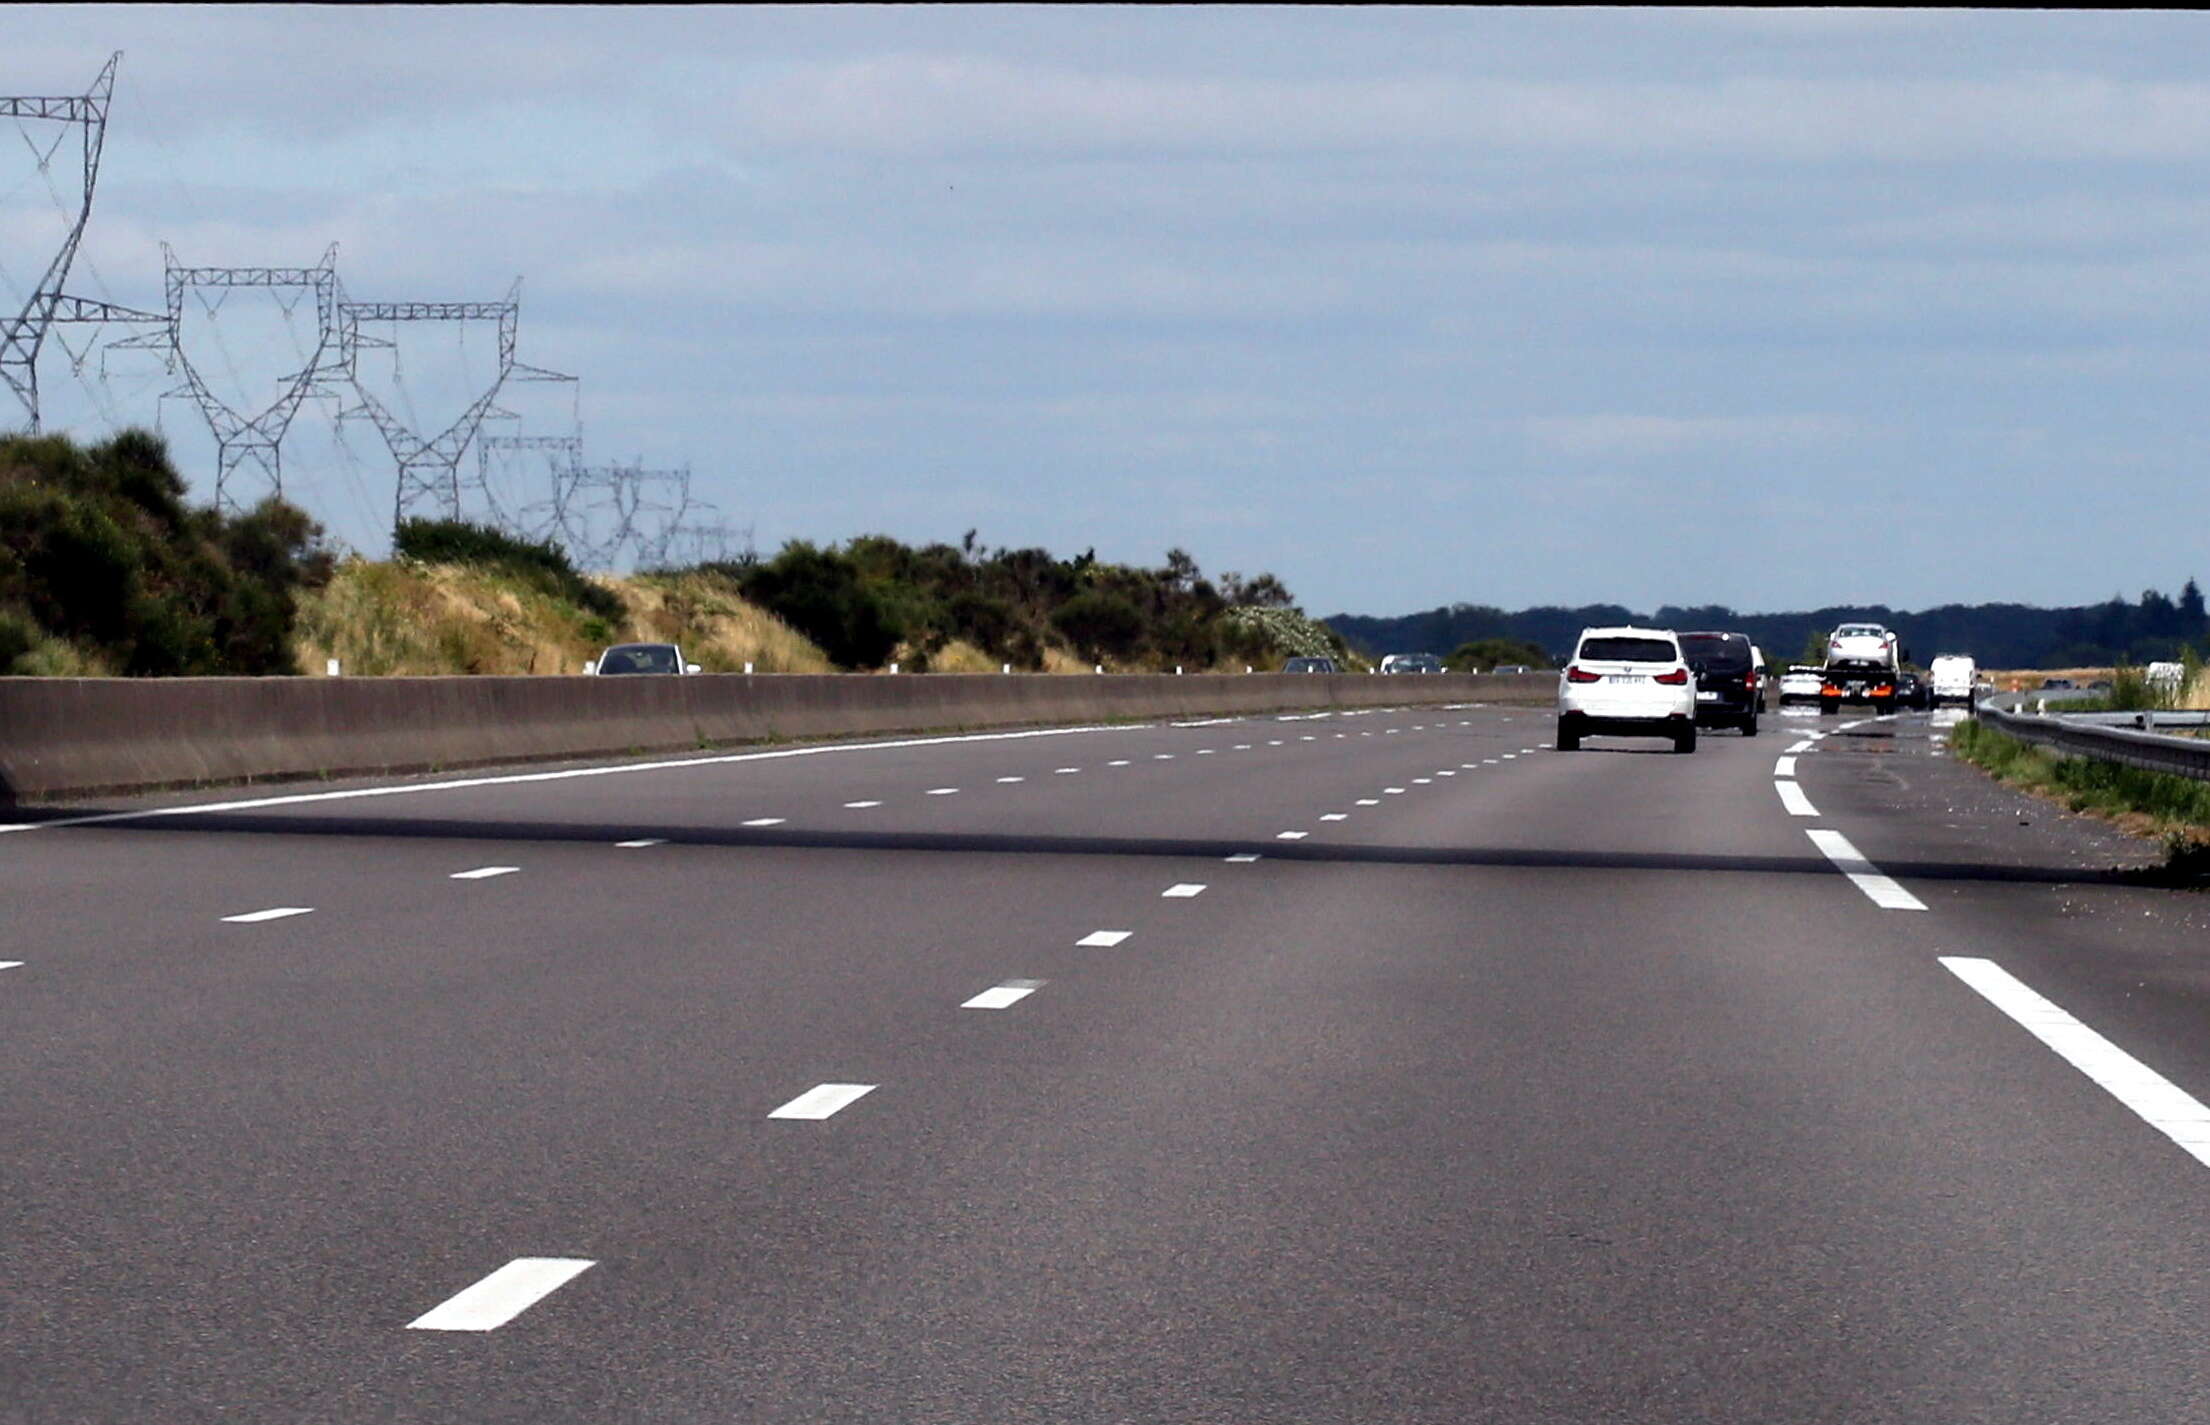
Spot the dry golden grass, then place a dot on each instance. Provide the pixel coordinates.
(383, 620)
(2014, 680)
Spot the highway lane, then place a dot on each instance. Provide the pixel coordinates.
(1565, 1087)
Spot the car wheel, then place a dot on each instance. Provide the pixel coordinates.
(1685, 740)
(1881, 707)
(1829, 707)
(1569, 738)
(1749, 725)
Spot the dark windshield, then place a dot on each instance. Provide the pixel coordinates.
(1627, 650)
(639, 658)
(1716, 651)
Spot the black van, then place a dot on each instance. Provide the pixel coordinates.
(1728, 692)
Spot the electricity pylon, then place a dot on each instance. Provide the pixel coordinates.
(23, 335)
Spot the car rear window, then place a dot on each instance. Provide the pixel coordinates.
(1628, 650)
(1717, 651)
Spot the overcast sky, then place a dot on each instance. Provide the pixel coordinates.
(1773, 309)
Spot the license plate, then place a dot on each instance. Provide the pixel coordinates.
(1622, 677)
(1702, 697)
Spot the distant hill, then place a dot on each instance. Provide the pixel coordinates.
(1998, 635)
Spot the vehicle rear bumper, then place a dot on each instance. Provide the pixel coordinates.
(1588, 724)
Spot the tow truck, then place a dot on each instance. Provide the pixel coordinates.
(1862, 660)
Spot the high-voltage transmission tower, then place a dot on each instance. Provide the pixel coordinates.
(429, 465)
(22, 335)
(242, 438)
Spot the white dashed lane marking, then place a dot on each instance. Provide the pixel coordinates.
(1882, 890)
(1369, 801)
(1182, 891)
(822, 1100)
(1792, 797)
(1336, 816)
(1064, 771)
(642, 842)
(1803, 746)
(1004, 780)
(1004, 996)
(1122, 762)
(483, 873)
(1242, 858)
(1289, 835)
(11, 964)
(942, 792)
(764, 821)
(1103, 939)
(860, 806)
(1784, 766)
(1423, 781)
(255, 917)
(1392, 791)
(2162, 1104)
(502, 1296)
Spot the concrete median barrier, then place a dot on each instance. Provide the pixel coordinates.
(63, 737)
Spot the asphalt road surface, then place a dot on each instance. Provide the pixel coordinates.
(1382, 1067)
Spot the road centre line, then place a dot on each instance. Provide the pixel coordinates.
(515, 779)
(1784, 766)
(1882, 890)
(642, 842)
(1004, 996)
(255, 917)
(1182, 891)
(2162, 1104)
(1103, 939)
(483, 873)
(1792, 797)
(823, 1100)
(502, 1296)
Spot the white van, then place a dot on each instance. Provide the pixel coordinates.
(1952, 676)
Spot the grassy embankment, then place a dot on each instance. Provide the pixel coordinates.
(407, 618)
(2175, 809)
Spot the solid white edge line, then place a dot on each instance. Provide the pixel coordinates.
(255, 917)
(2159, 1102)
(1881, 890)
(1792, 797)
(514, 779)
(502, 1296)
(823, 1100)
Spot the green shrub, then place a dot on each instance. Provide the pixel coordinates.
(819, 592)
(1100, 625)
(543, 564)
(100, 556)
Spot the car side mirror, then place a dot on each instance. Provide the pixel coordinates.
(691, 668)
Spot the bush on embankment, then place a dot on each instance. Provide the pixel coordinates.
(105, 570)
(2177, 808)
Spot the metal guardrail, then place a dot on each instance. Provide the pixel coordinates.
(2089, 735)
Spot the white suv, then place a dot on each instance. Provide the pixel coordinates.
(1627, 680)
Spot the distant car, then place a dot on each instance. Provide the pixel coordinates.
(661, 658)
(1310, 665)
(1866, 644)
(1801, 684)
(2051, 683)
(1629, 681)
(1913, 691)
(1726, 679)
(1953, 677)
(1411, 663)
(1511, 668)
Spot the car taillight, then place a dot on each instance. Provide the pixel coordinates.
(1673, 679)
(1576, 674)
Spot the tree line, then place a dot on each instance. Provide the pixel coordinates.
(2156, 626)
